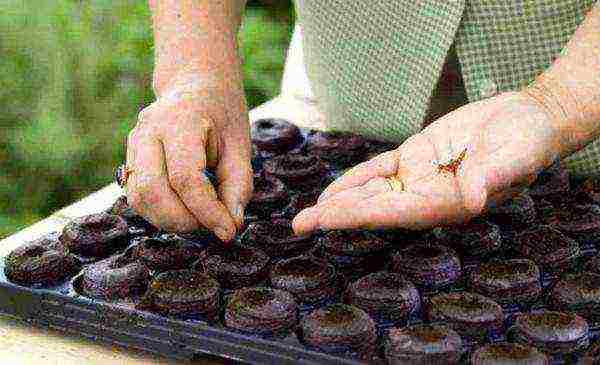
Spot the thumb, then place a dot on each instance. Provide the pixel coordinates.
(235, 179)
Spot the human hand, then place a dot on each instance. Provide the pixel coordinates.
(199, 121)
(507, 140)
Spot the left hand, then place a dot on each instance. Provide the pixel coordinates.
(508, 139)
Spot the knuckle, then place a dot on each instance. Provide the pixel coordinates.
(148, 190)
(205, 123)
(182, 181)
(147, 117)
(143, 115)
(140, 116)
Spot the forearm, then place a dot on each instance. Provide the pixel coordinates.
(570, 88)
(193, 35)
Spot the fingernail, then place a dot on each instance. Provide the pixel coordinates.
(322, 197)
(238, 212)
(297, 230)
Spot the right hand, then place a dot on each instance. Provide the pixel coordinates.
(507, 140)
(199, 121)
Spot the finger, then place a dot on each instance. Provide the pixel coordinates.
(385, 164)
(387, 210)
(235, 169)
(148, 189)
(130, 153)
(236, 179)
(186, 162)
(472, 182)
(212, 143)
(348, 197)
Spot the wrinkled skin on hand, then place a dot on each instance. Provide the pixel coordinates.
(200, 121)
(508, 139)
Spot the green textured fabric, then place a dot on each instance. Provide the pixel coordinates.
(509, 43)
(504, 45)
(374, 66)
(370, 70)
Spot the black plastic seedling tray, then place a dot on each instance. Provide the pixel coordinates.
(63, 308)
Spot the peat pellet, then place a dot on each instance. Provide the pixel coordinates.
(506, 353)
(552, 183)
(423, 344)
(264, 312)
(276, 238)
(116, 277)
(275, 135)
(550, 249)
(428, 266)
(387, 297)
(473, 316)
(183, 293)
(353, 252)
(340, 329)
(268, 197)
(137, 225)
(311, 280)
(477, 238)
(554, 333)
(578, 221)
(339, 148)
(166, 252)
(515, 213)
(579, 294)
(298, 171)
(96, 235)
(235, 267)
(353, 243)
(42, 262)
(513, 281)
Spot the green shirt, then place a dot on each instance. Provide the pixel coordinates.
(374, 65)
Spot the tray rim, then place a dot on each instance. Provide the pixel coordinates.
(32, 305)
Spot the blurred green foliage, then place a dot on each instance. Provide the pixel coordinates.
(73, 76)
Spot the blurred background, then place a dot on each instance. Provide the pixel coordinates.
(73, 76)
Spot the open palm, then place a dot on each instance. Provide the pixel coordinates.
(506, 141)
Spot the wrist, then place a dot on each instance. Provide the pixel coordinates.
(207, 56)
(563, 111)
(188, 85)
(201, 89)
(208, 71)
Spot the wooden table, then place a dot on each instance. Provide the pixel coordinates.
(22, 344)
